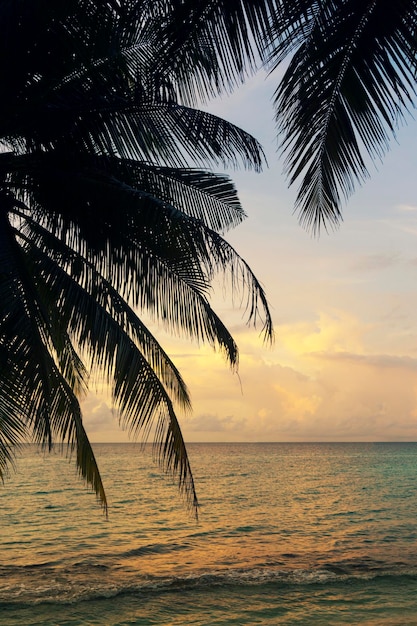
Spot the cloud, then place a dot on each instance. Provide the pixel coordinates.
(331, 331)
(206, 422)
(336, 389)
(406, 208)
(98, 413)
(100, 420)
(373, 360)
(376, 261)
(330, 377)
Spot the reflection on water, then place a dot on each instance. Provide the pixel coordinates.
(275, 519)
(303, 499)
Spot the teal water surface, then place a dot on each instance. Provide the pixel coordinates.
(288, 534)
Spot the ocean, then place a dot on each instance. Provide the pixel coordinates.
(287, 534)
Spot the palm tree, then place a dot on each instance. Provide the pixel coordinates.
(349, 80)
(103, 217)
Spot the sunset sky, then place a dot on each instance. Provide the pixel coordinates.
(344, 363)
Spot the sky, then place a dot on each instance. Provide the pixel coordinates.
(343, 366)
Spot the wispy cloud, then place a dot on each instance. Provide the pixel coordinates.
(376, 261)
(208, 422)
(373, 360)
(407, 208)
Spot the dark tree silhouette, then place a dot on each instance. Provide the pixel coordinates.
(107, 210)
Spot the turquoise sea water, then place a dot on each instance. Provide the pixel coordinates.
(288, 534)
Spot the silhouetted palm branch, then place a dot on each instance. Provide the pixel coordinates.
(350, 80)
(101, 217)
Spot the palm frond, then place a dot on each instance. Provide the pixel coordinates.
(350, 80)
(208, 197)
(210, 47)
(112, 343)
(45, 402)
(158, 256)
(13, 431)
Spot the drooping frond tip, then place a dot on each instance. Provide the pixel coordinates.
(171, 454)
(350, 80)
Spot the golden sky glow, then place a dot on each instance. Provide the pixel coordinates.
(344, 363)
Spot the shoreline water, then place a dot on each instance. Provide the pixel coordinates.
(288, 534)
